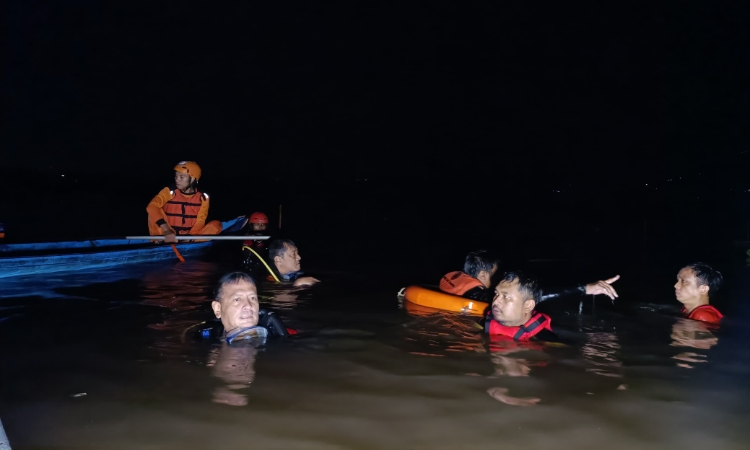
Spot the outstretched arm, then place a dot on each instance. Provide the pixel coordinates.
(603, 287)
(595, 288)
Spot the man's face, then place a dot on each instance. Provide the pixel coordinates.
(259, 226)
(509, 306)
(687, 289)
(289, 262)
(181, 180)
(238, 305)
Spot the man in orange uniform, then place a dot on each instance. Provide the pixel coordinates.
(695, 283)
(182, 210)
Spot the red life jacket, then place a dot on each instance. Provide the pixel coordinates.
(182, 212)
(255, 244)
(537, 323)
(458, 283)
(704, 313)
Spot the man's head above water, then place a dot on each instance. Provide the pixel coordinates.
(481, 265)
(236, 301)
(695, 283)
(516, 297)
(285, 256)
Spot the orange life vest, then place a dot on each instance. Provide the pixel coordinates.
(458, 283)
(704, 313)
(537, 323)
(182, 212)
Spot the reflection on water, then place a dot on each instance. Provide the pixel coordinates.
(281, 298)
(501, 394)
(600, 350)
(436, 332)
(693, 334)
(235, 365)
(364, 376)
(513, 359)
(181, 288)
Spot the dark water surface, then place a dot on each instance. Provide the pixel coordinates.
(107, 360)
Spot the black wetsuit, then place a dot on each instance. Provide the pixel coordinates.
(486, 295)
(267, 319)
(260, 248)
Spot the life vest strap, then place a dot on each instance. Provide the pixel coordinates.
(523, 329)
(174, 202)
(188, 216)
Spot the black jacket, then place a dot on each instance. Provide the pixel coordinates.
(483, 294)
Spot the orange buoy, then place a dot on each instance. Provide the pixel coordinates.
(433, 298)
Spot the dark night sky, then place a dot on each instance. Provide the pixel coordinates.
(606, 91)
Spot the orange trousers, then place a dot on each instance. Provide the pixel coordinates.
(212, 227)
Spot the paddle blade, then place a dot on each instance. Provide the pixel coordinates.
(176, 252)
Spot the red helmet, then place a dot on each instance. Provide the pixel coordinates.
(258, 217)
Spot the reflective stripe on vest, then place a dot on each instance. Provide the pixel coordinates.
(182, 212)
(458, 283)
(536, 324)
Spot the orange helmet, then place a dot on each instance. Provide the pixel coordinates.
(258, 217)
(189, 167)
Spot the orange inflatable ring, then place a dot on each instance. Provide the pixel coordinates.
(433, 298)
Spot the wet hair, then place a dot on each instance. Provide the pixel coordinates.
(528, 285)
(478, 261)
(278, 248)
(707, 275)
(231, 278)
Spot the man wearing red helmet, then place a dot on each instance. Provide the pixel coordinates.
(182, 210)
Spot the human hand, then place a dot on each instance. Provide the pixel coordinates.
(169, 234)
(603, 287)
(305, 281)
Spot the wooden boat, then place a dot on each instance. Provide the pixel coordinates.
(49, 257)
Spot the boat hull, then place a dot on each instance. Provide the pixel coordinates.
(30, 259)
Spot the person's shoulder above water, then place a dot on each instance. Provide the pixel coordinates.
(458, 283)
(706, 313)
(476, 278)
(271, 324)
(538, 323)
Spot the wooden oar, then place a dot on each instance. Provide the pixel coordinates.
(200, 237)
